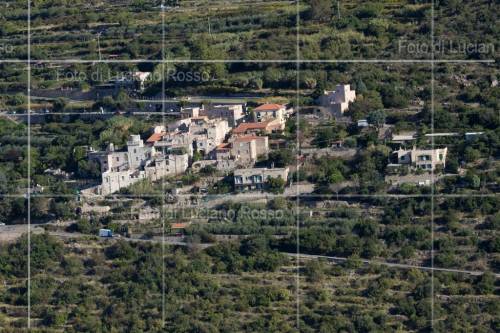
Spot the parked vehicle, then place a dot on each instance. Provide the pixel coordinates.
(107, 233)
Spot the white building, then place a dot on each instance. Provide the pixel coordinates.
(141, 78)
(191, 112)
(208, 134)
(241, 151)
(267, 112)
(191, 134)
(247, 149)
(121, 169)
(404, 137)
(256, 178)
(337, 101)
(137, 153)
(233, 113)
(425, 159)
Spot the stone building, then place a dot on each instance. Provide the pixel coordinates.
(233, 113)
(337, 101)
(120, 169)
(256, 178)
(424, 159)
(267, 112)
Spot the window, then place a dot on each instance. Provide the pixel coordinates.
(424, 158)
(135, 150)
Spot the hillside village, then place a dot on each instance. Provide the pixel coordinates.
(231, 140)
(203, 138)
(249, 166)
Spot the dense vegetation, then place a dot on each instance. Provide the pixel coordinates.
(117, 286)
(235, 271)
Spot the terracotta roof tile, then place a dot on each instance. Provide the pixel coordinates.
(243, 127)
(155, 137)
(179, 225)
(268, 107)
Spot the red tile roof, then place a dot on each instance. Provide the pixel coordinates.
(243, 127)
(268, 107)
(224, 146)
(179, 225)
(155, 137)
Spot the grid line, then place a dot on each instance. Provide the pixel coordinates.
(330, 196)
(252, 61)
(432, 170)
(163, 108)
(29, 167)
(297, 201)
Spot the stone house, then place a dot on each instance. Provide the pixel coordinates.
(233, 113)
(337, 101)
(256, 178)
(423, 159)
(267, 112)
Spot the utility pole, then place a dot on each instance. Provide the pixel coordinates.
(338, 9)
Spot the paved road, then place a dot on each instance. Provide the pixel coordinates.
(175, 241)
(10, 233)
(159, 240)
(390, 264)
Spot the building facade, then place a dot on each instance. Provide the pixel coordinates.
(337, 101)
(267, 112)
(266, 127)
(120, 169)
(257, 178)
(424, 159)
(233, 113)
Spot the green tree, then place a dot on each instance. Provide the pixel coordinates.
(321, 10)
(59, 105)
(276, 185)
(377, 118)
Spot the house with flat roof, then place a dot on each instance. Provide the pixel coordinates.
(257, 178)
(404, 137)
(247, 149)
(233, 113)
(423, 159)
(241, 151)
(337, 101)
